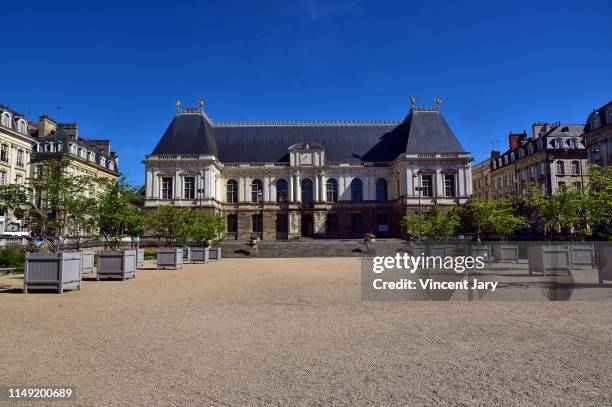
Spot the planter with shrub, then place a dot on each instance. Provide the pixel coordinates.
(200, 254)
(549, 259)
(87, 265)
(56, 271)
(170, 257)
(116, 264)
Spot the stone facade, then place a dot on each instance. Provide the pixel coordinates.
(554, 156)
(598, 136)
(309, 192)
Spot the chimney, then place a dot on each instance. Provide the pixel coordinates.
(46, 126)
(69, 129)
(495, 154)
(102, 145)
(516, 139)
(539, 128)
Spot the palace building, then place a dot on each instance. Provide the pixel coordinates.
(285, 180)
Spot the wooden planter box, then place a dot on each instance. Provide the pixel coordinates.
(170, 257)
(139, 258)
(186, 254)
(549, 259)
(506, 252)
(55, 271)
(201, 254)
(482, 251)
(605, 264)
(441, 250)
(583, 256)
(87, 264)
(214, 253)
(116, 264)
(418, 250)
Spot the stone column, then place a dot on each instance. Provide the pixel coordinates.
(316, 188)
(460, 183)
(290, 197)
(266, 189)
(439, 184)
(177, 186)
(298, 189)
(323, 193)
(241, 191)
(155, 185)
(149, 186)
(273, 191)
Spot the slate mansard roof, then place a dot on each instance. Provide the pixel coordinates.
(422, 131)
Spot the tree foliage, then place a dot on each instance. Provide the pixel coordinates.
(184, 225)
(495, 215)
(434, 224)
(117, 212)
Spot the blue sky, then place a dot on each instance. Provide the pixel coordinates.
(117, 68)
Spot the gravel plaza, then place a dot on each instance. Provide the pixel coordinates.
(297, 332)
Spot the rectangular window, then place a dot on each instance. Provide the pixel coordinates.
(449, 184)
(561, 184)
(232, 223)
(20, 158)
(257, 226)
(281, 223)
(18, 180)
(332, 223)
(426, 185)
(166, 188)
(575, 167)
(577, 185)
(4, 152)
(560, 168)
(2, 177)
(189, 183)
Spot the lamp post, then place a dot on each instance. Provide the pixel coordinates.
(200, 196)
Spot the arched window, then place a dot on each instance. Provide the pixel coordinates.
(307, 198)
(256, 191)
(282, 190)
(6, 120)
(356, 190)
(331, 189)
(21, 126)
(231, 189)
(381, 189)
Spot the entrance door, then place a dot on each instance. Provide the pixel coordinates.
(307, 225)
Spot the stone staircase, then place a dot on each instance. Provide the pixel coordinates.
(312, 248)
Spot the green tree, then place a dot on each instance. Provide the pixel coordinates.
(495, 215)
(434, 224)
(14, 198)
(207, 228)
(63, 202)
(117, 211)
(168, 222)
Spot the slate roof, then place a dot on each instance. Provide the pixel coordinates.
(422, 131)
(575, 130)
(603, 120)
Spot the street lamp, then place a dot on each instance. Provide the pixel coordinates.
(200, 195)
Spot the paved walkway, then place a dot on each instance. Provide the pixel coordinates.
(296, 332)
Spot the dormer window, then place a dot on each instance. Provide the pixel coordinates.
(565, 130)
(572, 143)
(6, 120)
(111, 165)
(595, 121)
(530, 149)
(103, 161)
(521, 153)
(22, 126)
(92, 157)
(83, 153)
(73, 149)
(609, 120)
